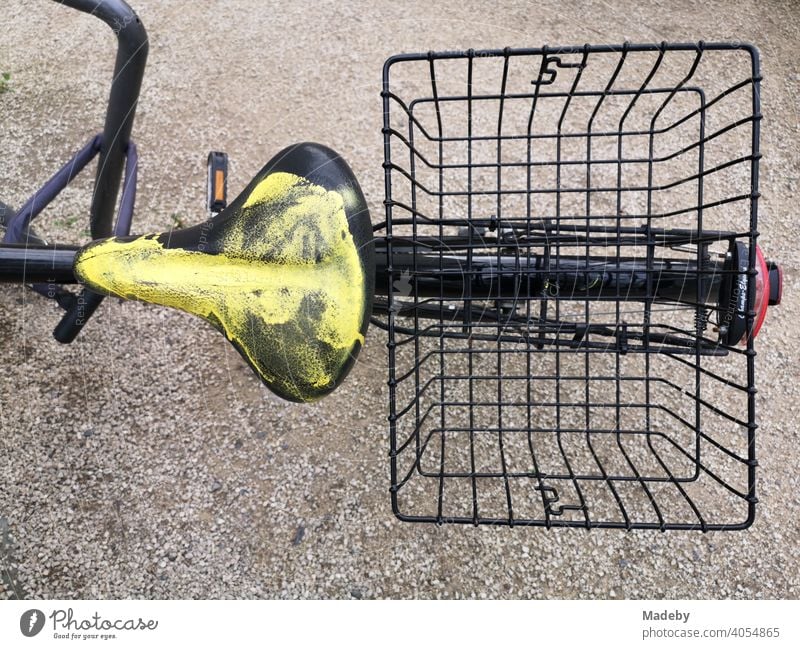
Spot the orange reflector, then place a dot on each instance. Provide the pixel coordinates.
(219, 185)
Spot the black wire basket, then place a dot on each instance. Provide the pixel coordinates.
(568, 235)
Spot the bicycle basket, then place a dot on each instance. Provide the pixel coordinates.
(559, 225)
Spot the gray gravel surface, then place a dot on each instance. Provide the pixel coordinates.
(146, 461)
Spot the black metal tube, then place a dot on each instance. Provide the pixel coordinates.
(574, 278)
(46, 264)
(17, 227)
(132, 47)
(85, 304)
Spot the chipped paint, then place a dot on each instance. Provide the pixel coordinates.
(285, 285)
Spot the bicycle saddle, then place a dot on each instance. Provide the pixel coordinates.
(286, 271)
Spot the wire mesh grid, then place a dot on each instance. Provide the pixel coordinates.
(555, 267)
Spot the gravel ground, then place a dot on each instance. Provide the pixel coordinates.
(146, 461)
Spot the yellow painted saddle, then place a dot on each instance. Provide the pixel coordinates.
(286, 271)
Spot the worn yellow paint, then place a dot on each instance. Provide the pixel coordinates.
(287, 287)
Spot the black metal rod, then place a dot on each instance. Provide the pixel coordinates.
(576, 277)
(132, 47)
(571, 278)
(87, 301)
(17, 231)
(47, 264)
(85, 304)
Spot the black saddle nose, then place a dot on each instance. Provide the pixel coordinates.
(286, 271)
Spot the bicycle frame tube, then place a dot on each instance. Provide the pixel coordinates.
(132, 48)
(47, 264)
(574, 277)
(486, 277)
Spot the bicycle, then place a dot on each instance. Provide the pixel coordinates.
(569, 250)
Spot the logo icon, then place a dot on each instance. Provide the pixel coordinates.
(401, 289)
(31, 622)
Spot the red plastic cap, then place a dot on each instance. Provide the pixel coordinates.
(762, 291)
